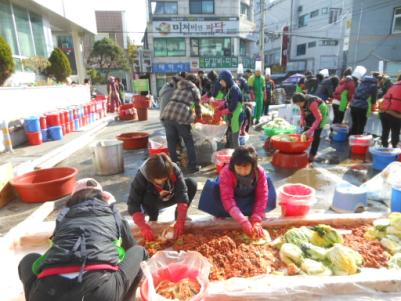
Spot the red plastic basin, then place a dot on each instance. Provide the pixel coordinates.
(155, 151)
(34, 138)
(295, 199)
(359, 149)
(174, 272)
(134, 140)
(45, 184)
(127, 112)
(288, 147)
(290, 161)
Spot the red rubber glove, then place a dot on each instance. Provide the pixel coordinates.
(179, 227)
(258, 230)
(146, 230)
(246, 225)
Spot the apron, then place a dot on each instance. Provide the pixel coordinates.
(369, 107)
(324, 111)
(298, 89)
(220, 95)
(210, 201)
(344, 101)
(234, 120)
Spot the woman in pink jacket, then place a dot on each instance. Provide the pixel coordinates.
(243, 192)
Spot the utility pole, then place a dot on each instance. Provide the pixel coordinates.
(262, 34)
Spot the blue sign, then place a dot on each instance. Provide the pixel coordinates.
(171, 68)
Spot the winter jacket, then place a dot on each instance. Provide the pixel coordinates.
(141, 185)
(314, 113)
(165, 94)
(346, 84)
(325, 89)
(366, 89)
(179, 108)
(228, 183)
(243, 84)
(392, 100)
(234, 95)
(311, 85)
(88, 233)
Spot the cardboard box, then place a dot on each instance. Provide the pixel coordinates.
(7, 193)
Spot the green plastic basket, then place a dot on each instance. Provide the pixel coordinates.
(270, 132)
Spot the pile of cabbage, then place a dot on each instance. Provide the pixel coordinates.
(388, 232)
(278, 123)
(317, 250)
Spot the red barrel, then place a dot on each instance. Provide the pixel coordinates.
(42, 121)
(66, 116)
(81, 122)
(75, 113)
(62, 121)
(53, 119)
(34, 138)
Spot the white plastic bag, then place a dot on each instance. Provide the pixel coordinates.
(174, 266)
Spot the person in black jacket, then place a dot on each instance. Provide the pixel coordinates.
(159, 183)
(93, 255)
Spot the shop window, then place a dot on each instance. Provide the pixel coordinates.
(301, 49)
(312, 44)
(38, 35)
(169, 47)
(397, 21)
(211, 47)
(199, 7)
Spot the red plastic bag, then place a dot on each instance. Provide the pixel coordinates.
(174, 266)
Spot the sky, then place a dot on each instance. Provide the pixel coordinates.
(135, 14)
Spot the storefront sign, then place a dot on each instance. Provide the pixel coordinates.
(195, 27)
(225, 62)
(171, 68)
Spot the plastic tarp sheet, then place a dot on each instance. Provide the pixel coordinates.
(379, 187)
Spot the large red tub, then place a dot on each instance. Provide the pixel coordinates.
(134, 140)
(45, 184)
(291, 143)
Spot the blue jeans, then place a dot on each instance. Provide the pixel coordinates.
(173, 133)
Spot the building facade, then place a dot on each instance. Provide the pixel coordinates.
(376, 32)
(306, 35)
(36, 27)
(189, 35)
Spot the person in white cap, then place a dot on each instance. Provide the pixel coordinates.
(257, 86)
(93, 255)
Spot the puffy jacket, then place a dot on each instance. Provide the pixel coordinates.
(228, 183)
(367, 88)
(87, 233)
(392, 99)
(141, 185)
(234, 95)
(243, 84)
(346, 84)
(325, 89)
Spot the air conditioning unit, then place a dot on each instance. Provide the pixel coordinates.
(300, 9)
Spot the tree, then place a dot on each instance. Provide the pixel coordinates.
(60, 67)
(107, 55)
(132, 54)
(7, 66)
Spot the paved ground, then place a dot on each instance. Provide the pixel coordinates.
(333, 165)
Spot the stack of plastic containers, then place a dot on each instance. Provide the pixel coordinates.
(43, 128)
(32, 130)
(55, 128)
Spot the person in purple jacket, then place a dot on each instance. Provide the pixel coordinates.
(245, 192)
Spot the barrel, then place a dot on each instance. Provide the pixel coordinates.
(56, 132)
(107, 157)
(32, 124)
(53, 119)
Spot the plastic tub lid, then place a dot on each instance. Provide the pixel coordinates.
(339, 126)
(362, 140)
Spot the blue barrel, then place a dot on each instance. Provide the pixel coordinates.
(71, 113)
(32, 124)
(45, 135)
(76, 125)
(340, 133)
(92, 118)
(382, 157)
(56, 132)
(396, 199)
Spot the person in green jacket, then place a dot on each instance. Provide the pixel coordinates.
(257, 86)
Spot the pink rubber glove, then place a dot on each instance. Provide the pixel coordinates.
(179, 226)
(237, 215)
(224, 112)
(258, 230)
(146, 230)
